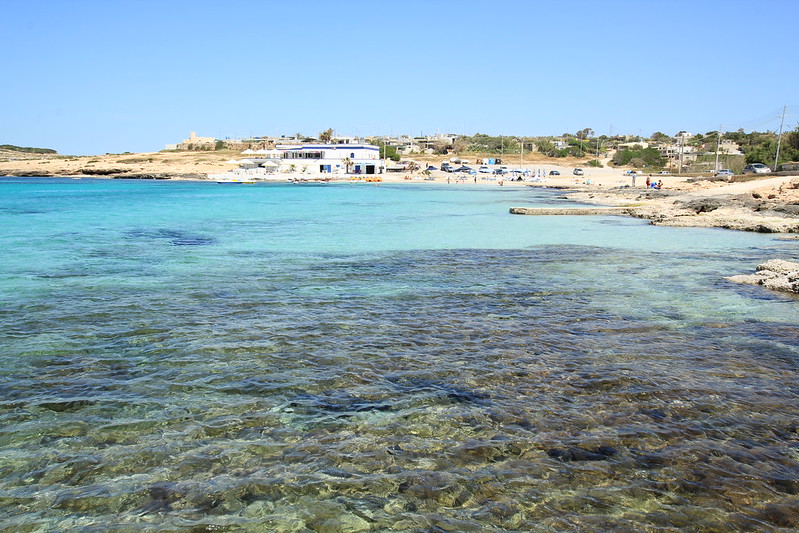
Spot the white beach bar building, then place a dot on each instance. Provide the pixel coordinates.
(330, 158)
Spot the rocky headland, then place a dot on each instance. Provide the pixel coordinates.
(769, 205)
(163, 165)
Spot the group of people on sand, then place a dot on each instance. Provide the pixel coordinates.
(652, 184)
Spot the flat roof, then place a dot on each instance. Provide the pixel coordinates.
(328, 147)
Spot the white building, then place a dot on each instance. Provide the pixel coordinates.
(331, 158)
(305, 159)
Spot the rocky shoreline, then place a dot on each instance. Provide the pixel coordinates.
(106, 173)
(766, 206)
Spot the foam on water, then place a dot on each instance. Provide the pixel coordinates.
(351, 358)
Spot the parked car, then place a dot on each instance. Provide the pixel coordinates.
(724, 173)
(664, 173)
(578, 172)
(554, 173)
(756, 168)
(484, 170)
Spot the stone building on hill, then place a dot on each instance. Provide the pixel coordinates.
(194, 143)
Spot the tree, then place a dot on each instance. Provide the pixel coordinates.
(326, 136)
(660, 137)
(640, 158)
(461, 145)
(545, 147)
(392, 153)
(789, 150)
(441, 147)
(389, 152)
(792, 138)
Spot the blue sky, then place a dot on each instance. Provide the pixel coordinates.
(90, 77)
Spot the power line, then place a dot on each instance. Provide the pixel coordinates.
(772, 116)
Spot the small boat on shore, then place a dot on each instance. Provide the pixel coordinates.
(234, 181)
(307, 181)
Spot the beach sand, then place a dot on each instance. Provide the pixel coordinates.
(767, 204)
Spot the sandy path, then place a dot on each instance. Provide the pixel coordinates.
(742, 187)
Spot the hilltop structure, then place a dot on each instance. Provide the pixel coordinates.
(194, 143)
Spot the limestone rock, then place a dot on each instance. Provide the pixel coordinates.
(779, 266)
(775, 274)
(704, 205)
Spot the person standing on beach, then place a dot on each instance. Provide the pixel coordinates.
(633, 176)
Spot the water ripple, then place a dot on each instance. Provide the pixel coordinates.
(406, 391)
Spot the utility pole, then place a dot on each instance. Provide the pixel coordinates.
(597, 150)
(779, 138)
(682, 138)
(718, 143)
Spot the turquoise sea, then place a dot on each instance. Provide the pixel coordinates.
(186, 356)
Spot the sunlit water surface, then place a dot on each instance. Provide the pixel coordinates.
(199, 357)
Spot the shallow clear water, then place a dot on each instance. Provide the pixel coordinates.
(191, 356)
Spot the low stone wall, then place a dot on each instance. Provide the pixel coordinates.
(570, 211)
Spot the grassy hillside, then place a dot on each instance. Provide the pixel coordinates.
(26, 149)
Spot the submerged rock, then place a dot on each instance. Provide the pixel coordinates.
(576, 453)
(775, 274)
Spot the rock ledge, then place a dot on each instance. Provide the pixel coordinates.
(775, 274)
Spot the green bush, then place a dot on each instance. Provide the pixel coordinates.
(26, 149)
(649, 157)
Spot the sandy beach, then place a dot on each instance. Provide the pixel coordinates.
(765, 204)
